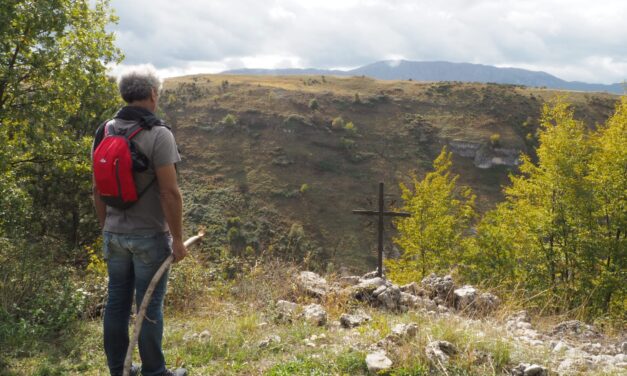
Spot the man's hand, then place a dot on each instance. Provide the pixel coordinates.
(178, 250)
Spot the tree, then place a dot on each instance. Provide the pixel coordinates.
(561, 228)
(53, 92)
(432, 239)
(608, 175)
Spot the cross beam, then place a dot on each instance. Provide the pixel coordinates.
(381, 213)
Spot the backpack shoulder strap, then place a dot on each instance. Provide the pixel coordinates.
(133, 131)
(100, 134)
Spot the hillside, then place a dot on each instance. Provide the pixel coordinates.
(265, 150)
(447, 71)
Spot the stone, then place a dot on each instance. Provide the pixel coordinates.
(623, 347)
(285, 310)
(592, 348)
(560, 346)
(312, 284)
(269, 340)
(427, 304)
(350, 280)
(520, 316)
(405, 331)
(370, 275)
(205, 335)
(315, 314)
(390, 297)
(535, 370)
(524, 369)
(440, 351)
(355, 319)
(379, 290)
(440, 287)
(575, 328)
(412, 288)
(408, 300)
(487, 302)
(377, 362)
(574, 366)
(364, 289)
(465, 297)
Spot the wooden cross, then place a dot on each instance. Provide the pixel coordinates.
(381, 213)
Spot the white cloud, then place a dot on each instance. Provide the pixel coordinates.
(575, 39)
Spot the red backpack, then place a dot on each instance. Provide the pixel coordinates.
(115, 159)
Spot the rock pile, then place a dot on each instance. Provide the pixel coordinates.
(577, 347)
(436, 294)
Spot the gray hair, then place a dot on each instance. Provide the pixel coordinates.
(137, 84)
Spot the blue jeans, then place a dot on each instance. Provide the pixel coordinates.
(132, 260)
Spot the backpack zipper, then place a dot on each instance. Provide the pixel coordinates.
(117, 177)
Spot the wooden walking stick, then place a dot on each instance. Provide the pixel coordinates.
(141, 313)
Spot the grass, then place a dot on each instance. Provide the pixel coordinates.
(239, 314)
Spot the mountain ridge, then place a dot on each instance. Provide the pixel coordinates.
(446, 71)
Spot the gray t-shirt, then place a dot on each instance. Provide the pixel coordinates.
(146, 215)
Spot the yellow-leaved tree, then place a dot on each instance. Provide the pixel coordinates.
(433, 238)
(560, 234)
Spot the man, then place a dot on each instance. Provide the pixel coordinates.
(138, 239)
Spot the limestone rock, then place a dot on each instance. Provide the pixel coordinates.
(414, 289)
(575, 328)
(487, 302)
(312, 284)
(390, 297)
(465, 297)
(574, 366)
(440, 351)
(405, 331)
(524, 369)
(520, 316)
(285, 310)
(364, 289)
(378, 361)
(315, 314)
(408, 300)
(370, 275)
(205, 335)
(350, 280)
(355, 319)
(439, 287)
(379, 290)
(269, 340)
(559, 347)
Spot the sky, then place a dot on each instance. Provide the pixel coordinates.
(574, 40)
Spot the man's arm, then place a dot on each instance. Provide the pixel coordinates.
(172, 204)
(101, 208)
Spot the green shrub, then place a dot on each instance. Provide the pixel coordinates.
(495, 139)
(229, 120)
(347, 143)
(304, 188)
(350, 127)
(187, 283)
(313, 104)
(36, 299)
(337, 123)
(294, 121)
